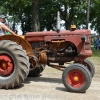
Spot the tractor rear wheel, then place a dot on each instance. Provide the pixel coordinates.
(76, 78)
(14, 64)
(37, 70)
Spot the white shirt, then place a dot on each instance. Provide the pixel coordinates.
(2, 32)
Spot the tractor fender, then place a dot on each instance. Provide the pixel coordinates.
(19, 40)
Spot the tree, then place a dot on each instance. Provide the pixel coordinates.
(20, 10)
(47, 14)
(69, 10)
(95, 15)
(35, 13)
(88, 13)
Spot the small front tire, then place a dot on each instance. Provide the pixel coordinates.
(76, 78)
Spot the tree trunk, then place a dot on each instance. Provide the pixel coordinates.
(87, 16)
(36, 22)
(66, 18)
(67, 25)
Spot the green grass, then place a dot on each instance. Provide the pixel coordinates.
(96, 53)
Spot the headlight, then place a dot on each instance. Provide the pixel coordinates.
(83, 38)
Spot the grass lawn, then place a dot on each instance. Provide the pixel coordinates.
(96, 53)
(96, 60)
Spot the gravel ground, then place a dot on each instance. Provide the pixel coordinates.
(49, 86)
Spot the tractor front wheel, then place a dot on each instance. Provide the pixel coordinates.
(76, 78)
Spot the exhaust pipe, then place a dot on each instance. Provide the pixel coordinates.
(58, 22)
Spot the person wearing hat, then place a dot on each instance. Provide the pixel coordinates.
(3, 27)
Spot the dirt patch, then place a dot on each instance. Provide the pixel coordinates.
(49, 87)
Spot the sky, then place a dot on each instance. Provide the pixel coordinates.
(19, 30)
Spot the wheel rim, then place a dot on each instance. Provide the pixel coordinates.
(75, 78)
(6, 65)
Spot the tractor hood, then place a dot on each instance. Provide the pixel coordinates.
(45, 35)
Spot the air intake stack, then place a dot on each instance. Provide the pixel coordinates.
(58, 21)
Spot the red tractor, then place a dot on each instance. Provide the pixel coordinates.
(62, 47)
(20, 57)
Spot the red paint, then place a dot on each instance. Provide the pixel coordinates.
(9, 65)
(67, 35)
(72, 82)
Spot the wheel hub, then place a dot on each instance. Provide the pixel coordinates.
(75, 78)
(6, 65)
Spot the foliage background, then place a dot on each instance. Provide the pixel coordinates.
(35, 15)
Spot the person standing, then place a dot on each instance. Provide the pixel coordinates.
(3, 27)
(97, 43)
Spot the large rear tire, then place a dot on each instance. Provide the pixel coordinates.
(76, 78)
(16, 67)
